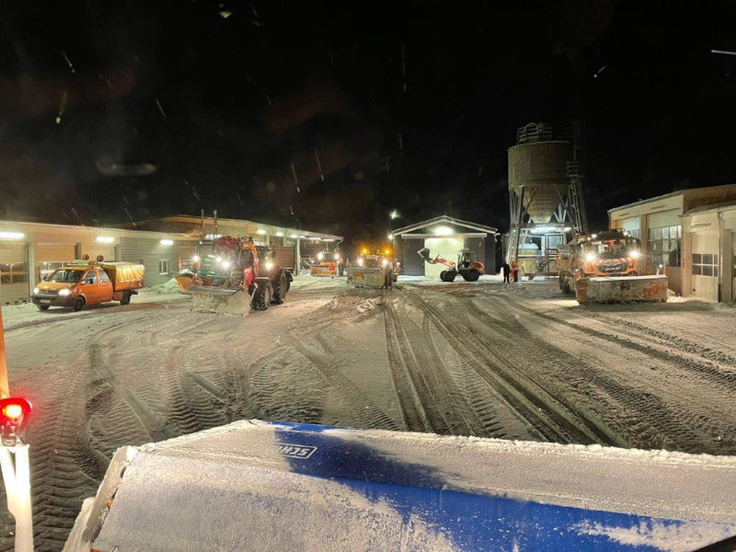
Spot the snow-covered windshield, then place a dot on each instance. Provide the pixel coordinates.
(66, 276)
(613, 248)
(206, 250)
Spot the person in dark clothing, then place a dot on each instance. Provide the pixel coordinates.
(506, 272)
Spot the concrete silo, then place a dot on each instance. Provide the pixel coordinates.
(545, 191)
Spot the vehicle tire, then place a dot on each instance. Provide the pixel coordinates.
(78, 304)
(442, 275)
(262, 297)
(449, 276)
(279, 289)
(471, 275)
(126, 299)
(43, 307)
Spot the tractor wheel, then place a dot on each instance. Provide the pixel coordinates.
(471, 275)
(78, 304)
(125, 299)
(449, 276)
(43, 307)
(442, 275)
(262, 297)
(279, 289)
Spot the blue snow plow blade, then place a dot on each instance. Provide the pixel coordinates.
(256, 485)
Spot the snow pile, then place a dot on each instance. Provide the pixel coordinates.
(167, 287)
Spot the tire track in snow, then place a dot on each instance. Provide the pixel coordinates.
(647, 420)
(556, 417)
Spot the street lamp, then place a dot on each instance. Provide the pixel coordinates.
(394, 214)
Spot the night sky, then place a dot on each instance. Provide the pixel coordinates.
(327, 116)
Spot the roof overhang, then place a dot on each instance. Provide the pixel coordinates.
(444, 219)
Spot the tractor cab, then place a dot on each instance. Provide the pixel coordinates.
(466, 258)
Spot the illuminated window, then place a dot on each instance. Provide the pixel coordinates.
(664, 246)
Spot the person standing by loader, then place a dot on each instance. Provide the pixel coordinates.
(515, 271)
(506, 269)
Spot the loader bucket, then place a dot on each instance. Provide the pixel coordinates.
(184, 281)
(254, 485)
(366, 277)
(624, 289)
(424, 253)
(220, 301)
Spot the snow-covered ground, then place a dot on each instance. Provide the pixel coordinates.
(513, 361)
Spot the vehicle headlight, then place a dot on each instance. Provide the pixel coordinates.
(590, 257)
(196, 258)
(226, 264)
(36, 291)
(635, 254)
(320, 256)
(384, 262)
(269, 265)
(360, 262)
(218, 259)
(336, 257)
(64, 292)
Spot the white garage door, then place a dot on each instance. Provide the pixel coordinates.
(705, 266)
(630, 225)
(445, 247)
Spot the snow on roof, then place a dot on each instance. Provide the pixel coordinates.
(447, 220)
(712, 207)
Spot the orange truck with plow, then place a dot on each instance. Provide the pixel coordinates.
(83, 283)
(606, 268)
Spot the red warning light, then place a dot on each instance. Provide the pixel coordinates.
(85, 257)
(100, 258)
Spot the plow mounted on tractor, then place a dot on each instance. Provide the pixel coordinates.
(468, 266)
(605, 268)
(233, 275)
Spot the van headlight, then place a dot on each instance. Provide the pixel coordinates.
(64, 292)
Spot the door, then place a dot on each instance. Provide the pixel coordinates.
(705, 266)
(89, 287)
(444, 247)
(105, 286)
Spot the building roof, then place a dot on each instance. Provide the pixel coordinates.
(671, 194)
(446, 220)
(190, 224)
(726, 205)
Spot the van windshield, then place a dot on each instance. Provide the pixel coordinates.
(67, 276)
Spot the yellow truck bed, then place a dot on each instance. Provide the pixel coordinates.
(125, 276)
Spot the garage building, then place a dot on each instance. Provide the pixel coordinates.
(29, 251)
(658, 223)
(443, 236)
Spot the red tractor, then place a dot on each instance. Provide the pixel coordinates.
(468, 265)
(227, 265)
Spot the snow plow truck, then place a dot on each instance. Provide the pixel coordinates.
(328, 264)
(233, 275)
(374, 269)
(606, 268)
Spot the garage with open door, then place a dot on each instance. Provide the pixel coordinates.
(49, 257)
(705, 266)
(444, 247)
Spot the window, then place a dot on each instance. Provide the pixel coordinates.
(163, 266)
(104, 277)
(705, 264)
(664, 246)
(46, 268)
(13, 273)
(90, 278)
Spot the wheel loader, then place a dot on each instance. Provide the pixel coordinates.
(606, 268)
(468, 266)
(232, 276)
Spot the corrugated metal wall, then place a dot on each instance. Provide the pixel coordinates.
(150, 252)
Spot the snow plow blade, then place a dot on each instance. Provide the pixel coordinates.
(625, 289)
(220, 301)
(366, 277)
(321, 271)
(255, 485)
